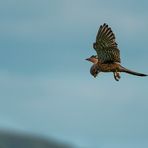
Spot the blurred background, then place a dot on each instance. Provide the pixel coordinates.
(46, 90)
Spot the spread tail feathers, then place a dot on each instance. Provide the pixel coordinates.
(131, 72)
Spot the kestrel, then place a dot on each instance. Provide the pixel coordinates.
(108, 55)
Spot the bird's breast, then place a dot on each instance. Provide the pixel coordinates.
(109, 67)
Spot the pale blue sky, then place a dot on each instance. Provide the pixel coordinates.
(45, 85)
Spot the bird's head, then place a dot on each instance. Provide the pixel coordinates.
(93, 59)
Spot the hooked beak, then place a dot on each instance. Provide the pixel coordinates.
(87, 59)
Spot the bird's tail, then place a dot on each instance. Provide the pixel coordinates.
(131, 72)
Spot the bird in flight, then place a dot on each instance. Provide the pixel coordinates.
(108, 55)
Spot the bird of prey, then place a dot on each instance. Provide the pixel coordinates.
(108, 55)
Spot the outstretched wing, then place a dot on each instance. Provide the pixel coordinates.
(105, 45)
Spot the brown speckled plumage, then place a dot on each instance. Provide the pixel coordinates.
(108, 55)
